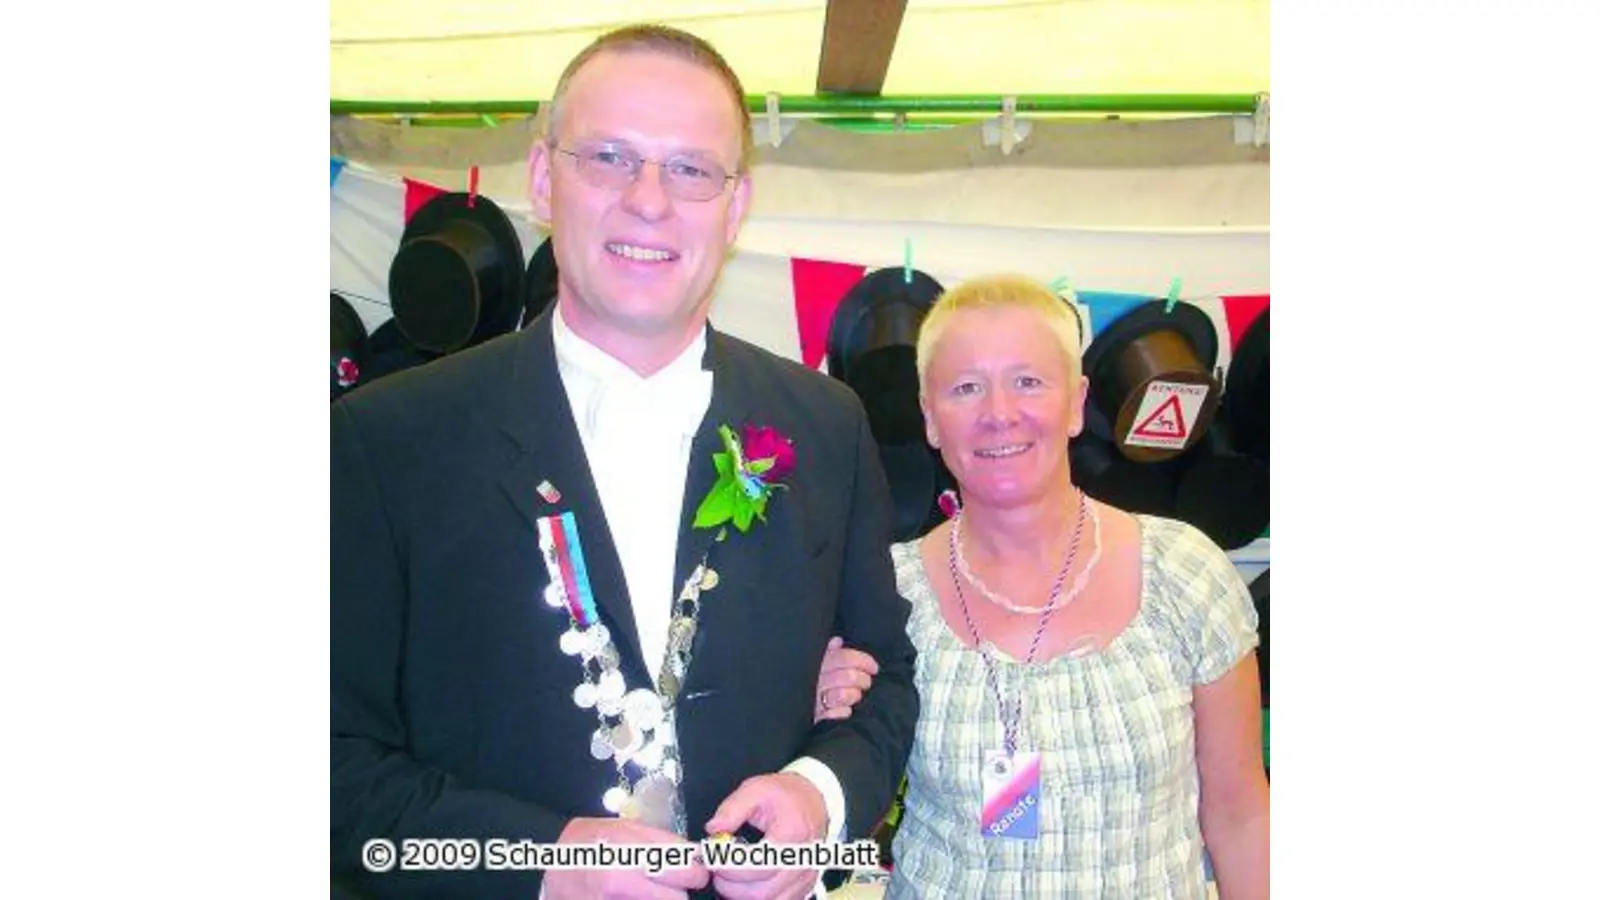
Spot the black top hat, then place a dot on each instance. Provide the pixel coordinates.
(539, 282)
(872, 347)
(457, 279)
(1245, 400)
(1144, 371)
(347, 354)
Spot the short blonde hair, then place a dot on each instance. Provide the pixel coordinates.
(669, 42)
(1003, 292)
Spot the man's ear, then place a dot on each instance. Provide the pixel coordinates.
(738, 205)
(539, 181)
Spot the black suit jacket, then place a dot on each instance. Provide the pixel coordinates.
(451, 701)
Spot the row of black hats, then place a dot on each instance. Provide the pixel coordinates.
(458, 279)
(1162, 434)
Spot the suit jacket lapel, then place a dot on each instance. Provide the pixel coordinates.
(731, 405)
(540, 422)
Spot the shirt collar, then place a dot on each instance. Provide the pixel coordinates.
(575, 352)
(602, 389)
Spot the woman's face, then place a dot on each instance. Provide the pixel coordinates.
(1001, 405)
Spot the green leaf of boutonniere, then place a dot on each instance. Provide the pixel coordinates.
(719, 505)
(742, 514)
(731, 445)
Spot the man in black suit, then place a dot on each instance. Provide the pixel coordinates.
(557, 616)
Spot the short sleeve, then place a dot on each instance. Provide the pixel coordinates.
(1214, 616)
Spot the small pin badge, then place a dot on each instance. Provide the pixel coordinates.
(709, 579)
(548, 492)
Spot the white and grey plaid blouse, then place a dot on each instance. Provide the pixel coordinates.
(1119, 811)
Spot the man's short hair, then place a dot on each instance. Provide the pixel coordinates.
(668, 41)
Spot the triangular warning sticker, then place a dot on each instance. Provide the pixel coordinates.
(1165, 422)
(1167, 415)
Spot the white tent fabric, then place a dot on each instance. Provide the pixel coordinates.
(1109, 206)
(515, 50)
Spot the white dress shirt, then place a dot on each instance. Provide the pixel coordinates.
(637, 433)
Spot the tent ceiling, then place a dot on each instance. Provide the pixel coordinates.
(423, 50)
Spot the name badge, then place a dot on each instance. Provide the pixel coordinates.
(1010, 795)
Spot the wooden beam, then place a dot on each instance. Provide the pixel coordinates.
(857, 42)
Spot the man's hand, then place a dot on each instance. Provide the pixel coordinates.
(789, 810)
(846, 676)
(621, 884)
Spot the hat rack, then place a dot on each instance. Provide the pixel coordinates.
(856, 112)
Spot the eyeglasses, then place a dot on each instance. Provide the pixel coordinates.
(616, 166)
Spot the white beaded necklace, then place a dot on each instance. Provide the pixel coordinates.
(1078, 584)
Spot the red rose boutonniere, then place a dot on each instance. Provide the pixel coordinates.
(748, 472)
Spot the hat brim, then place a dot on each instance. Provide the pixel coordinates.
(1107, 344)
(503, 311)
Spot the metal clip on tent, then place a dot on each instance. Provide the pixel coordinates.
(1006, 130)
(1253, 128)
(774, 120)
(1008, 125)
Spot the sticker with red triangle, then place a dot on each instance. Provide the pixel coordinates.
(1166, 415)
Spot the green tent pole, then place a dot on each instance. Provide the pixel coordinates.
(983, 105)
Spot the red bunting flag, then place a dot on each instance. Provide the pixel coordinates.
(417, 196)
(818, 287)
(1241, 312)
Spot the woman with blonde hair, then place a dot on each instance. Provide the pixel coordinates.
(1090, 705)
